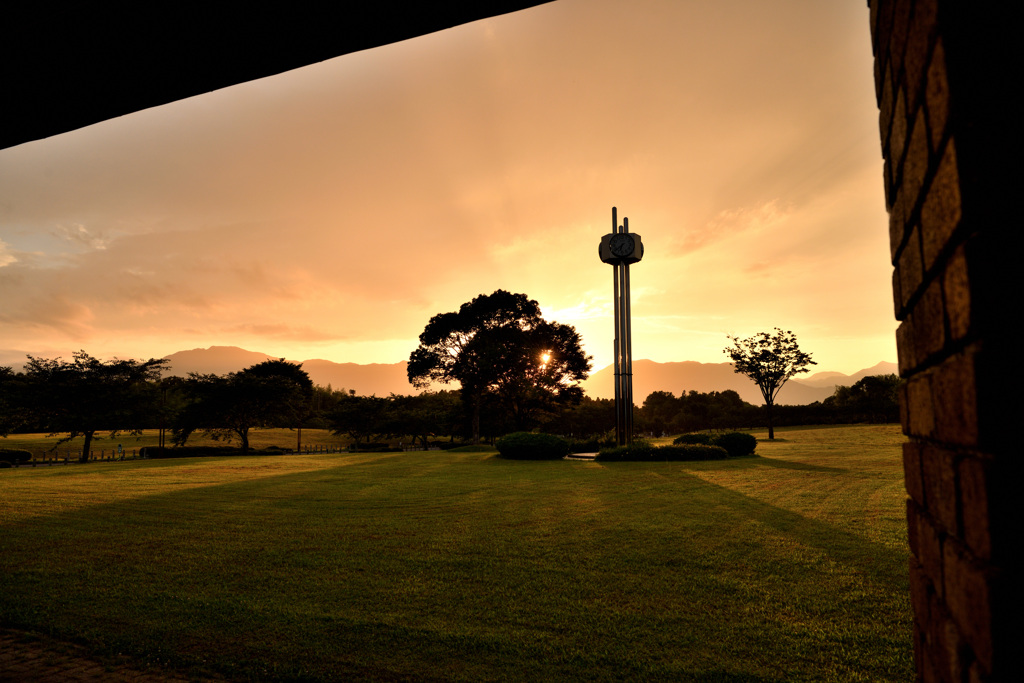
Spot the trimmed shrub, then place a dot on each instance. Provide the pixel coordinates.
(738, 444)
(644, 452)
(14, 455)
(694, 438)
(529, 446)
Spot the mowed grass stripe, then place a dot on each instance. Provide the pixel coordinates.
(462, 566)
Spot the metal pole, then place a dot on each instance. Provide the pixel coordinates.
(619, 427)
(627, 347)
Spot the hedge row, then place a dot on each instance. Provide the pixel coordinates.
(205, 451)
(738, 444)
(529, 446)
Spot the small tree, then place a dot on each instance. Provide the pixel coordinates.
(769, 360)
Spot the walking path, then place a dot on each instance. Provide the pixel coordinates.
(34, 658)
(581, 456)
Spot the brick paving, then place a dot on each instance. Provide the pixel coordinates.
(33, 658)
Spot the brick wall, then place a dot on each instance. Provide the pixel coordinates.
(945, 77)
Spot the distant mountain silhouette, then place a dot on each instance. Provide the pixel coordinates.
(831, 379)
(650, 376)
(216, 360)
(376, 378)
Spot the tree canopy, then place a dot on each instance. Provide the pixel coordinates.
(770, 360)
(269, 394)
(87, 395)
(499, 345)
(872, 399)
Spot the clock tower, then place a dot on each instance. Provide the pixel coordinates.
(620, 248)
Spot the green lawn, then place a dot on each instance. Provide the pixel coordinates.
(462, 566)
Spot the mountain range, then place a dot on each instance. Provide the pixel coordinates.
(382, 379)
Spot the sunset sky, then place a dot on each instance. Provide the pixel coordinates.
(329, 212)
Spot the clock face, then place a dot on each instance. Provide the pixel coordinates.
(621, 244)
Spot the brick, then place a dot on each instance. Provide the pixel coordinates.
(955, 654)
(898, 134)
(878, 79)
(908, 360)
(934, 655)
(955, 401)
(969, 599)
(912, 472)
(930, 552)
(901, 391)
(921, 591)
(915, 56)
(910, 267)
(898, 229)
(920, 411)
(928, 318)
(898, 37)
(938, 471)
(937, 96)
(914, 512)
(897, 295)
(885, 114)
(926, 671)
(916, 164)
(973, 487)
(887, 181)
(920, 647)
(956, 289)
(882, 28)
(941, 211)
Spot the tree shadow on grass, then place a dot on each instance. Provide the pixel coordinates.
(125, 558)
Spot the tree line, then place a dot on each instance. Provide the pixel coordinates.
(873, 399)
(85, 397)
(516, 371)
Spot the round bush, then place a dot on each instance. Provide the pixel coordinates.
(695, 438)
(529, 446)
(737, 443)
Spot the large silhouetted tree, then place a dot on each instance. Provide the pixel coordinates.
(769, 360)
(86, 395)
(499, 345)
